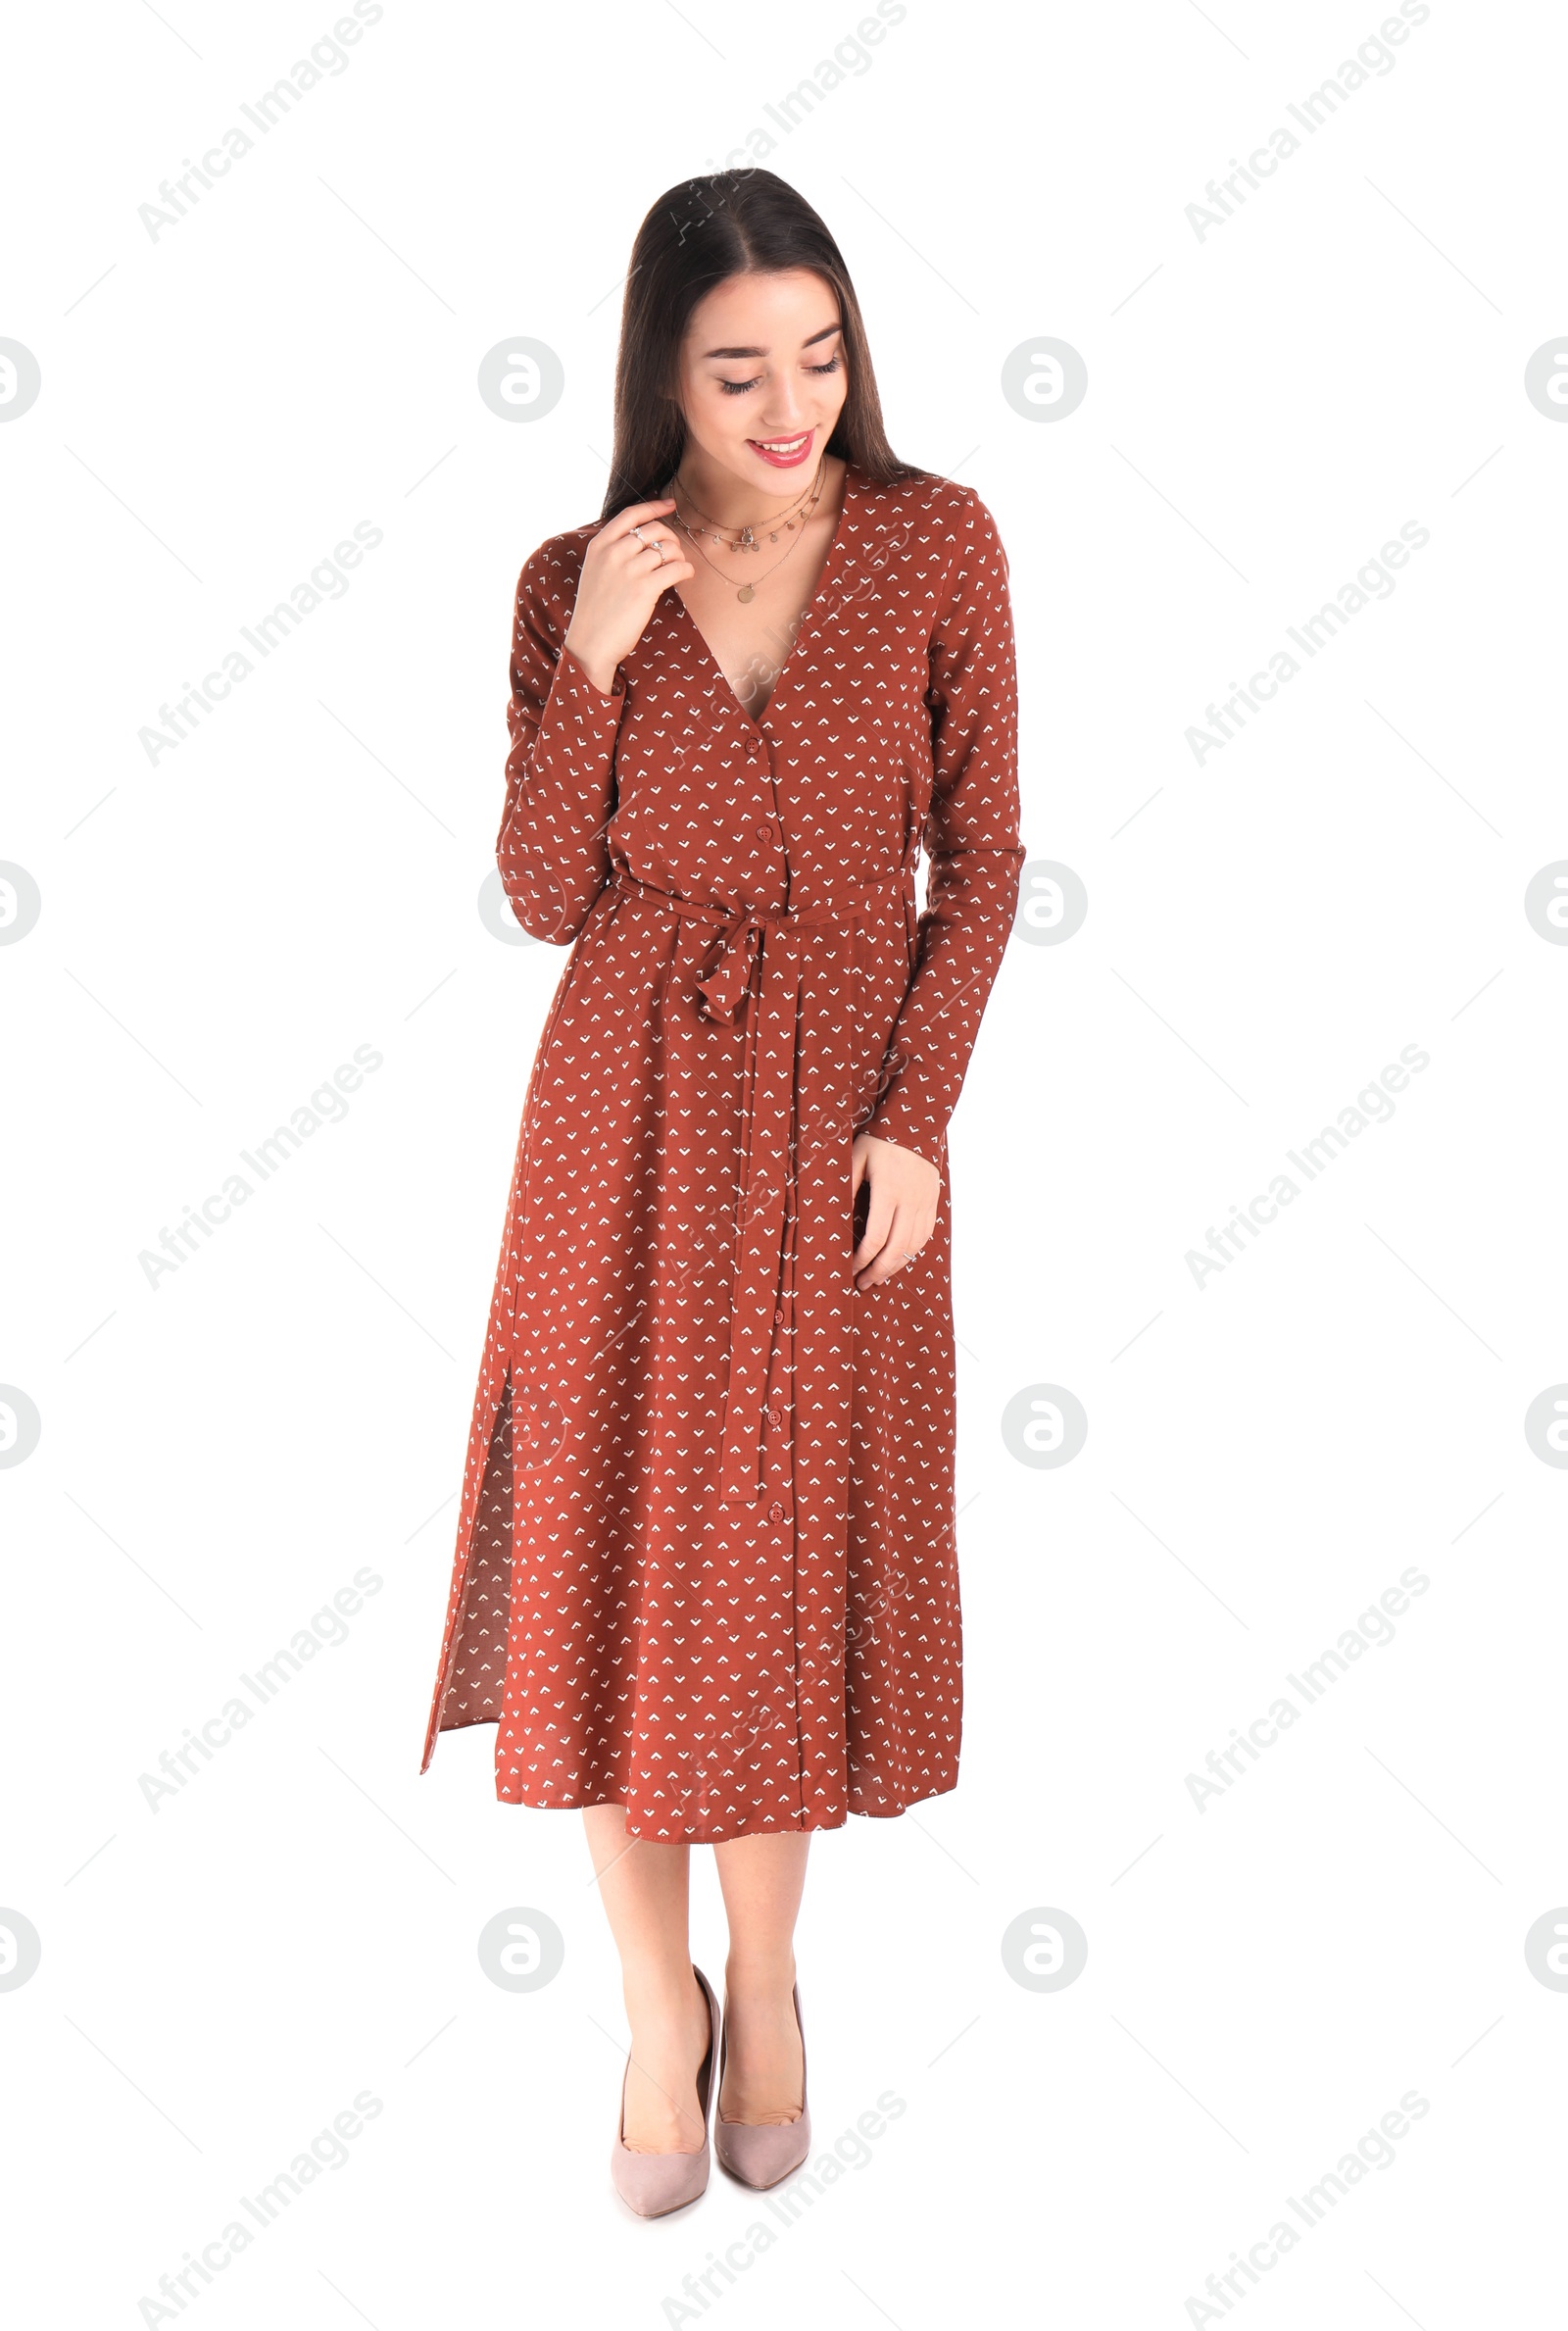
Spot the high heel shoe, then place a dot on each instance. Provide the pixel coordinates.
(764, 2155)
(655, 2183)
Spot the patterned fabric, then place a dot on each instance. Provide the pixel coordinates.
(705, 1558)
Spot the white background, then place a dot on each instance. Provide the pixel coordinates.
(1266, 406)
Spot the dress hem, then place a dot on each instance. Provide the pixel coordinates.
(761, 1826)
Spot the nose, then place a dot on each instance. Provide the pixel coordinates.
(784, 415)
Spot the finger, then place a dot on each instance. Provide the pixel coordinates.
(634, 514)
(878, 1273)
(878, 1220)
(908, 1234)
(860, 1157)
(666, 550)
(630, 527)
(879, 1214)
(629, 547)
(902, 1239)
(664, 570)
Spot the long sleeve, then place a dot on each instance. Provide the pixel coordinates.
(561, 771)
(970, 839)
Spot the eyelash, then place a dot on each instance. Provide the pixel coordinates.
(737, 388)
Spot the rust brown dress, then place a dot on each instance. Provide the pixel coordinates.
(705, 1558)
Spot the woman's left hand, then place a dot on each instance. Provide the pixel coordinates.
(903, 1211)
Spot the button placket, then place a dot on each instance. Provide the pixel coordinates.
(778, 1456)
(768, 829)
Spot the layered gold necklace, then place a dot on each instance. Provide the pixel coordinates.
(791, 519)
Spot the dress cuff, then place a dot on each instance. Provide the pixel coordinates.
(571, 679)
(901, 1120)
(577, 730)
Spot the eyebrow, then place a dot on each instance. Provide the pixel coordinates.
(827, 333)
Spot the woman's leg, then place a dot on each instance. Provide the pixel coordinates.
(762, 1879)
(644, 1891)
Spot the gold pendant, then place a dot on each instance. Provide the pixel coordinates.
(746, 591)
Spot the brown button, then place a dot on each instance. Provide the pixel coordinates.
(776, 1512)
(775, 1417)
(764, 833)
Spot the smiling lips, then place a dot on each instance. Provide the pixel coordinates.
(785, 453)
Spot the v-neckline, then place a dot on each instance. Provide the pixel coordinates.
(811, 613)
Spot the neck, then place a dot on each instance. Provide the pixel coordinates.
(729, 501)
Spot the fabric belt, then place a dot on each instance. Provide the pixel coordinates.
(744, 966)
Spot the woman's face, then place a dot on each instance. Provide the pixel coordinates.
(761, 377)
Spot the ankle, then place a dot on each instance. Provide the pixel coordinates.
(759, 1974)
(660, 1991)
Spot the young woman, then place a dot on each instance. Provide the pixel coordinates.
(705, 1582)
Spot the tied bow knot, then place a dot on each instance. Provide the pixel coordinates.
(728, 977)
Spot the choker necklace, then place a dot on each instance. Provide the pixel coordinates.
(748, 591)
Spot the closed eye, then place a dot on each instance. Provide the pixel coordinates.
(737, 388)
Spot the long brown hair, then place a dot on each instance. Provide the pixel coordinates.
(694, 237)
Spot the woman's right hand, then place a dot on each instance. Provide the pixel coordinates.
(621, 581)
